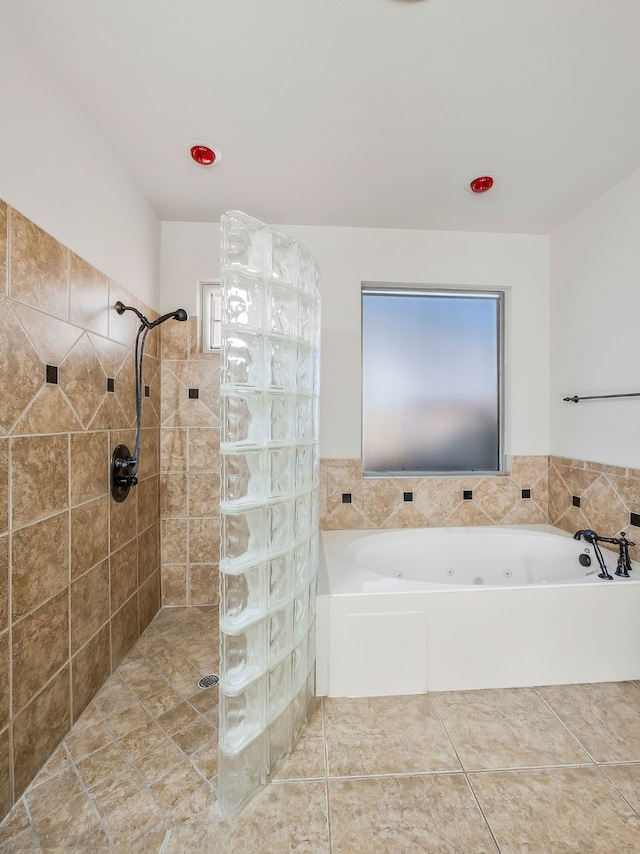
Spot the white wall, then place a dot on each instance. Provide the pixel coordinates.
(59, 172)
(595, 346)
(349, 256)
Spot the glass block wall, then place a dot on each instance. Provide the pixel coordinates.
(269, 501)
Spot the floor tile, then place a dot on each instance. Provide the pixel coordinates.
(283, 817)
(52, 794)
(508, 728)
(134, 817)
(66, 824)
(176, 786)
(604, 717)
(392, 815)
(626, 779)
(557, 810)
(114, 790)
(386, 735)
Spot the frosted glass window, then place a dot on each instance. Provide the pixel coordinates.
(431, 381)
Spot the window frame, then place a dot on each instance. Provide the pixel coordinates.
(393, 289)
(210, 290)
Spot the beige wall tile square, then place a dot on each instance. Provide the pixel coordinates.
(40, 646)
(149, 453)
(22, 372)
(88, 296)
(174, 585)
(148, 552)
(174, 496)
(89, 534)
(204, 583)
(174, 341)
(174, 540)
(124, 630)
(39, 563)
(50, 412)
(123, 520)
(204, 449)
(204, 540)
(124, 574)
(4, 485)
(83, 380)
(38, 269)
(5, 709)
(35, 492)
(149, 600)
(148, 502)
(90, 466)
(4, 582)
(39, 728)
(89, 604)
(204, 494)
(5, 779)
(173, 449)
(89, 670)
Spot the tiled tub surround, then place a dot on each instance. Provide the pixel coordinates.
(570, 494)
(347, 500)
(190, 467)
(79, 573)
(584, 494)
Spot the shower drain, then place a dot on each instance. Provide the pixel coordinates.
(208, 681)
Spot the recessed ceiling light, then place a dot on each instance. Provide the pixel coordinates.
(481, 184)
(203, 153)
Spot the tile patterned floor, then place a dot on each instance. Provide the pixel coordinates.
(540, 771)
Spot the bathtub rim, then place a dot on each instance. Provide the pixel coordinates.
(407, 587)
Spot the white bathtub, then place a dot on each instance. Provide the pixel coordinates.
(440, 609)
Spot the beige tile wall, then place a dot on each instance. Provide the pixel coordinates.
(379, 502)
(190, 467)
(607, 496)
(79, 573)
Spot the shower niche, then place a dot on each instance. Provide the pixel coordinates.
(269, 501)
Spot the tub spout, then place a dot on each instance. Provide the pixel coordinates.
(592, 538)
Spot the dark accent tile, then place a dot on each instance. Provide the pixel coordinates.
(407, 496)
(634, 519)
(51, 374)
(111, 384)
(575, 500)
(526, 493)
(194, 393)
(147, 391)
(346, 498)
(467, 494)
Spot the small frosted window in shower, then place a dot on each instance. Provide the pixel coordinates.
(211, 314)
(431, 381)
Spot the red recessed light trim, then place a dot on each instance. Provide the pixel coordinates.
(203, 155)
(481, 184)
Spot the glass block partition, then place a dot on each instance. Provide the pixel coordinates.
(269, 501)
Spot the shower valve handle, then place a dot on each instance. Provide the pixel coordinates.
(124, 462)
(126, 480)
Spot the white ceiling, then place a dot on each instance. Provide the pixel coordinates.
(357, 112)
